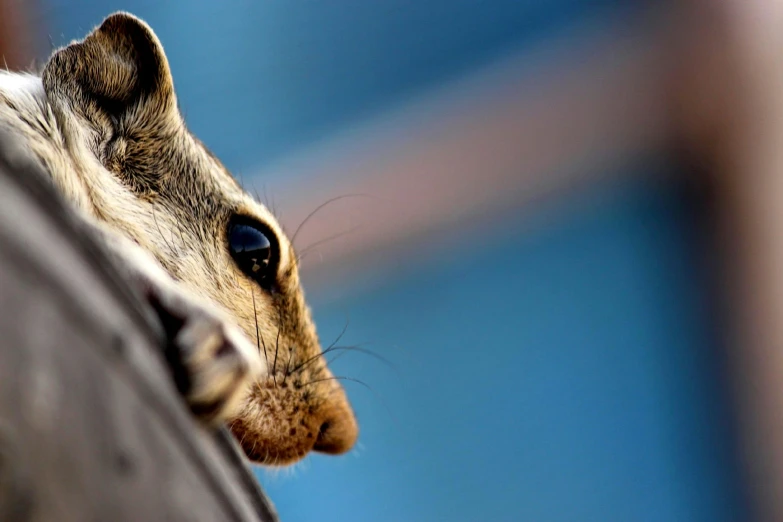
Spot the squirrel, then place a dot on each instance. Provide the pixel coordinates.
(212, 262)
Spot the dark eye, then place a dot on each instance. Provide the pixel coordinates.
(251, 249)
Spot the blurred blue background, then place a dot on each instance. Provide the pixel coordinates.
(562, 374)
(556, 365)
(307, 66)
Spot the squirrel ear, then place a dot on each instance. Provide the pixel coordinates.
(119, 70)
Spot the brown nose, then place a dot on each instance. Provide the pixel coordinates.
(338, 431)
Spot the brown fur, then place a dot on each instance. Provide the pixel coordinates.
(107, 126)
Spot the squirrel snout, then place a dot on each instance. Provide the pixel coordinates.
(338, 431)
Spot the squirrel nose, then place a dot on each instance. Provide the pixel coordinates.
(338, 431)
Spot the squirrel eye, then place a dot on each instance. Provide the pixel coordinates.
(252, 251)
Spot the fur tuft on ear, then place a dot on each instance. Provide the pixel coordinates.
(119, 70)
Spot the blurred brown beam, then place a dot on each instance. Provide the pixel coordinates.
(18, 36)
(729, 105)
(538, 123)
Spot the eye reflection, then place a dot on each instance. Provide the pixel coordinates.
(252, 251)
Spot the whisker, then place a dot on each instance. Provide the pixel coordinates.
(258, 333)
(336, 348)
(324, 352)
(342, 332)
(309, 248)
(365, 385)
(365, 351)
(305, 363)
(339, 378)
(287, 365)
(321, 207)
(277, 347)
(264, 345)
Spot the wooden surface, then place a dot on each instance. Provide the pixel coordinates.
(91, 428)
